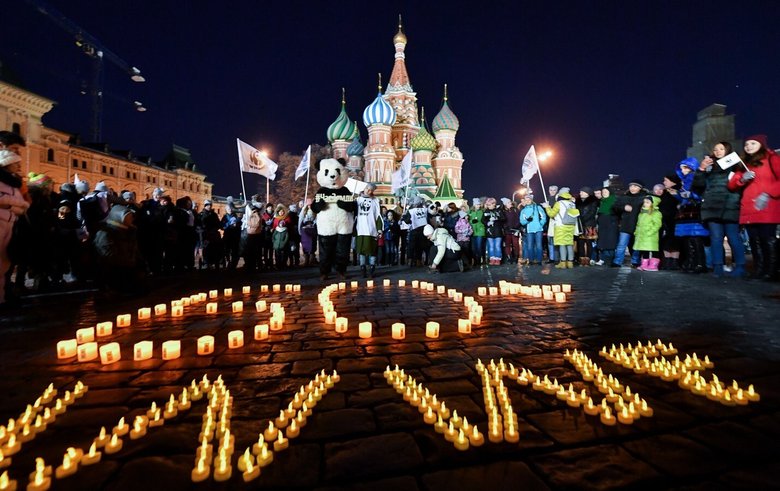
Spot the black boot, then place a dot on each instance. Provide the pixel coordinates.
(371, 271)
(756, 250)
(770, 259)
(700, 264)
(363, 270)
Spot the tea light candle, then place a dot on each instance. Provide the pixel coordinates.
(263, 288)
(370, 284)
(201, 471)
(92, 456)
(364, 330)
(104, 329)
(560, 298)
(238, 307)
(330, 317)
(281, 442)
(246, 289)
(475, 318)
(548, 294)
(261, 331)
(87, 352)
(205, 345)
(109, 353)
(171, 349)
(277, 322)
(142, 350)
(123, 320)
(261, 305)
(385, 282)
(402, 283)
(432, 329)
(277, 288)
(566, 288)
(481, 291)
(556, 288)
(235, 339)
(288, 288)
(160, 309)
(144, 313)
(85, 335)
(415, 284)
(67, 348)
(177, 311)
(399, 330)
(341, 324)
(114, 445)
(457, 296)
(353, 285)
(464, 326)
(211, 307)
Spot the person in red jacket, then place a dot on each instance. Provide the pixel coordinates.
(759, 183)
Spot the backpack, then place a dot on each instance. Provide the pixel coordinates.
(91, 211)
(255, 223)
(570, 216)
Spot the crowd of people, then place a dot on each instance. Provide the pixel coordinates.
(81, 233)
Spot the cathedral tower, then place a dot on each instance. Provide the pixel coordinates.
(448, 159)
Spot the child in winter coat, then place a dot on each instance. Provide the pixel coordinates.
(281, 237)
(463, 232)
(564, 217)
(646, 234)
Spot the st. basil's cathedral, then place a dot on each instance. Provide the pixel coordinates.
(395, 126)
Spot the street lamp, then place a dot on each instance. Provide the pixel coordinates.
(545, 155)
(522, 192)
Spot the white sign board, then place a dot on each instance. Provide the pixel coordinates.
(355, 186)
(729, 160)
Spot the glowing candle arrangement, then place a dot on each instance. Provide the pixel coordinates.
(455, 429)
(502, 419)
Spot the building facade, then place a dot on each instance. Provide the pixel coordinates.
(58, 154)
(712, 125)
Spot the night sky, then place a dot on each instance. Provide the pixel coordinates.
(610, 87)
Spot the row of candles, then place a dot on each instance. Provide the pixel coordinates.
(456, 429)
(546, 292)
(502, 426)
(686, 372)
(27, 426)
(85, 348)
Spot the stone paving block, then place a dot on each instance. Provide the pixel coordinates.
(409, 361)
(103, 397)
(167, 377)
(676, 455)
(368, 398)
(497, 476)
(338, 424)
(348, 352)
(405, 483)
(452, 387)
(108, 379)
(737, 440)
(295, 356)
(92, 418)
(269, 370)
(396, 416)
(448, 371)
(351, 382)
(448, 356)
(308, 367)
(375, 455)
(239, 360)
(569, 426)
(365, 364)
(599, 467)
(397, 348)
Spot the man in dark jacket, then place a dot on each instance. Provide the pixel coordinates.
(627, 208)
(116, 245)
(512, 251)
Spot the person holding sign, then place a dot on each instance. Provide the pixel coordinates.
(759, 182)
(720, 210)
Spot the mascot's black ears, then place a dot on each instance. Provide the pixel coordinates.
(317, 163)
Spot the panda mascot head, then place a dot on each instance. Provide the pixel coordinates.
(332, 174)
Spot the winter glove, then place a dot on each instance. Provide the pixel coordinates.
(747, 176)
(685, 194)
(761, 202)
(531, 218)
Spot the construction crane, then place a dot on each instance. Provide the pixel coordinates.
(95, 50)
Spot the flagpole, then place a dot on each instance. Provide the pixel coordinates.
(306, 191)
(267, 190)
(541, 181)
(243, 188)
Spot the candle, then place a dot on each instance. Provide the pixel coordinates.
(461, 442)
(493, 291)
(330, 317)
(39, 480)
(261, 305)
(432, 329)
(109, 353)
(222, 468)
(235, 339)
(160, 309)
(415, 284)
(293, 430)
(171, 349)
(560, 298)
(67, 348)
(464, 326)
(263, 288)
(504, 291)
(114, 445)
(364, 329)
(566, 288)
(281, 442)
(85, 335)
(277, 322)
(341, 324)
(457, 296)
(274, 307)
(353, 285)
(142, 350)
(211, 307)
(186, 301)
(399, 330)
(475, 318)
(277, 288)
(548, 295)
(402, 283)
(246, 289)
(104, 329)
(370, 284)
(342, 286)
(270, 433)
(261, 331)
(92, 456)
(69, 465)
(123, 320)
(429, 287)
(288, 288)
(556, 288)
(386, 282)
(205, 345)
(450, 292)
(201, 471)
(296, 288)
(87, 352)
(238, 307)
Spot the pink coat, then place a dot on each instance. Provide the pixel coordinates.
(767, 180)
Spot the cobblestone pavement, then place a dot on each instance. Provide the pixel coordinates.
(363, 435)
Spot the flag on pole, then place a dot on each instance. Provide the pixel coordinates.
(402, 177)
(355, 186)
(253, 160)
(303, 167)
(530, 165)
(729, 160)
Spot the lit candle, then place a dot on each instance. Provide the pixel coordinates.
(277, 288)
(213, 294)
(177, 311)
(342, 286)
(277, 322)
(493, 291)
(464, 326)
(429, 287)
(205, 345)
(144, 313)
(201, 471)
(481, 291)
(69, 465)
(296, 288)
(457, 296)
(281, 442)
(261, 331)
(92, 456)
(39, 480)
(114, 445)
(402, 283)
(104, 328)
(263, 288)
(556, 288)
(6, 483)
(85, 335)
(160, 309)
(211, 307)
(370, 284)
(547, 294)
(450, 292)
(274, 307)
(109, 353)
(270, 433)
(261, 305)
(432, 329)
(123, 320)
(415, 284)
(461, 442)
(238, 307)
(560, 298)
(288, 288)
(246, 289)
(67, 348)
(330, 317)
(399, 330)
(235, 339)
(566, 288)
(475, 318)
(171, 349)
(607, 418)
(222, 468)
(341, 324)
(364, 329)
(293, 430)
(187, 301)
(353, 285)
(385, 282)
(142, 350)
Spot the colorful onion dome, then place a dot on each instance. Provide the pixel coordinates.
(343, 128)
(423, 140)
(400, 37)
(355, 149)
(379, 111)
(446, 119)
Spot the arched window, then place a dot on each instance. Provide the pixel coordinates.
(50, 155)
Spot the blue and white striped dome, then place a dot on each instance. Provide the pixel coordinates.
(379, 112)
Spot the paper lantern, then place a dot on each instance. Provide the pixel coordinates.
(385, 282)
(144, 313)
(85, 335)
(109, 353)
(67, 348)
(260, 305)
(235, 339)
(464, 326)
(104, 329)
(246, 289)
(261, 331)
(177, 311)
(211, 307)
(402, 283)
(160, 309)
(213, 294)
(142, 350)
(123, 320)
(171, 349)
(341, 324)
(238, 307)
(399, 330)
(205, 345)
(432, 329)
(277, 288)
(228, 292)
(364, 330)
(87, 352)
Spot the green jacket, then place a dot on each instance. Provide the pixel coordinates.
(647, 226)
(280, 239)
(475, 218)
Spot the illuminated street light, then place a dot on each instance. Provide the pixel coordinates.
(544, 156)
(522, 192)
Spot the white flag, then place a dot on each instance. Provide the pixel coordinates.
(530, 165)
(729, 160)
(402, 177)
(303, 167)
(253, 160)
(355, 186)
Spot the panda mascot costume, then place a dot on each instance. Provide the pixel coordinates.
(335, 207)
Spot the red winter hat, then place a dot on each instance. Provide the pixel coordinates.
(760, 139)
